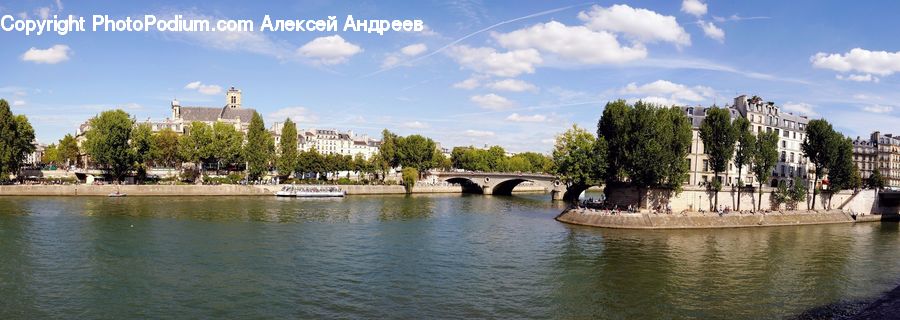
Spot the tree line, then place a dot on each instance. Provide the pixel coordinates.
(16, 141)
(646, 146)
(494, 159)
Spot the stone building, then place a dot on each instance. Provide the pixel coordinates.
(887, 159)
(764, 117)
(864, 156)
(231, 113)
(331, 141)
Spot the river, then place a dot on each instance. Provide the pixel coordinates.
(423, 256)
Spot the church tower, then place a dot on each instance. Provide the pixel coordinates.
(233, 98)
(176, 109)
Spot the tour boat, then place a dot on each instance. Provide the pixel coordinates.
(309, 192)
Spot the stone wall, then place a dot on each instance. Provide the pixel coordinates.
(694, 198)
(694, 221)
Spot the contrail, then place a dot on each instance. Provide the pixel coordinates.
(533, 15)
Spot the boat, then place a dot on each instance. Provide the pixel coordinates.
(309, 192)
(116, 195)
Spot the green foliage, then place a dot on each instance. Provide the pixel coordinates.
(108, 143)
(613, 127)
(875, 180)
(818, 146)
(388, 149)
(227, 144)
(657, 145)
(416, 151)
(410, 176)
(474, 159)
(719, 138)
(746, 145)
(141, 146)
(798, 193)
(193, 146)
(842, 172)
(310, 162)
(164, 150)
(287, 157)
(259, 149)
(50, 155)
(16, 137)
(579, 158)
(765, 157)
(68, 150)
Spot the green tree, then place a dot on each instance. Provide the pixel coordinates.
(842, 172)
(579, 158)
(68, 150)
(107, 143)
(16, 140)
(50, 155)
(164, 149)
(745, 145)
(410, 176)
(818, 146)
(417, 152)
(259, 148)
(287, 157)
(227, 144)
(658, 142)
(388, 149)
(613, 127)
(765, 156)
(875, 180)
(675, 136)
(719, 137)
(141, 149)
(797, 193)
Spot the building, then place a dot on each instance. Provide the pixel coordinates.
(864, 156)
(764, 117)
(887, 160)
(231, 113)
(331, 141)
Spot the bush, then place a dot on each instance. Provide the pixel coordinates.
(410, 175)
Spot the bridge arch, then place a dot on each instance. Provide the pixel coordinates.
(505, 188)
(573, 191)
(468, 186)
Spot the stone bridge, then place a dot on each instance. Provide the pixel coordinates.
(503, 183)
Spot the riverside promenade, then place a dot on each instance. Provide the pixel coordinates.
(697, 220)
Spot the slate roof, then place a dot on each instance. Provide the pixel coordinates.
(213, 114)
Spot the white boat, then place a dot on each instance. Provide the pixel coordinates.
(116, 195)
(309, 192)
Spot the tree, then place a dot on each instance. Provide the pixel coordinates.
(164, 149)
(875, 180)
(259, 148)
(194, 147)
(416, 151)
(227, 144)
(675, 136)
(719, 137)
(410, 176)
(842, 172)
(388, 149)
(658, 143)
(107, 143)
(287, 157)
(50, 155)
(818, 147)
(797, 193)
(579, 159)
(764, 156)
(745, 146)
(613, 127)
(16, 140)
(68, 150)
(141, 146)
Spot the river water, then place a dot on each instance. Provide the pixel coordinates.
(431, 256)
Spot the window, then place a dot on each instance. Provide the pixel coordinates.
(705, 165)
(792, 157)
(782, 159)
(783, 144)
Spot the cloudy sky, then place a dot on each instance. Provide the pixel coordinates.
(511, 73)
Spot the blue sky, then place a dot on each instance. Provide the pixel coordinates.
(517, 84)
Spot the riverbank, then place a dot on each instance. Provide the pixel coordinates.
(214, 190)
(696, 220)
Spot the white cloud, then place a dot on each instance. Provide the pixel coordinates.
(18, 103)
(414, 49)
(489, 61)
(669, 93)
(513, 85)
(660, 101)
(415, 125)
(860, 60)
(59, 5)
(492, 101)
(712, 31)
(207, 89)
(256, 42)
(329, 50)
(468, 84)
(694, 7)
(640, 24)
(479, 133)
(572, 42)
(296, 114)
(42, 12)
(515, 117)
(390, 61)
(800, 108)
(55, 54)
(875, 108)
(858, 78)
